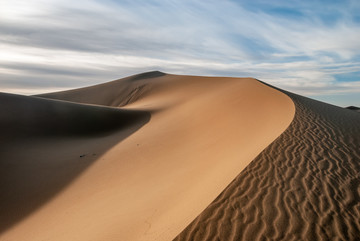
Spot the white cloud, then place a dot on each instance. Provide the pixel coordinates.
(56, 41)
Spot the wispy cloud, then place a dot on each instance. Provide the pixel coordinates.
(310, 47)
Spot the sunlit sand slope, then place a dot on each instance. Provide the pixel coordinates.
(150, 182)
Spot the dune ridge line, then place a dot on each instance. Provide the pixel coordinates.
(202, 131)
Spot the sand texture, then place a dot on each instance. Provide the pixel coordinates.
(304, 186)
(138, 158)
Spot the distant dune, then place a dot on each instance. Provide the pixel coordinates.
(354, 108)
(156, 156)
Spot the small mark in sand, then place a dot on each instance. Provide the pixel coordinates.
(83, 155)
(137, 144)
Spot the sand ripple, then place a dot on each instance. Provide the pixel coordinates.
(304, 186)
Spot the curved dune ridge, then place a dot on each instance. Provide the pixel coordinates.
(134, 159)
(303, 186)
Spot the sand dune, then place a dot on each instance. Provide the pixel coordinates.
(304, 186)
(115, 93)
(196, 158)
(140, 172)
(354, 108)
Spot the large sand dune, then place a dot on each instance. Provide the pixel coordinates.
(87, 171)
(304, 186)
(157, 157)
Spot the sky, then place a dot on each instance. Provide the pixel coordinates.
(311, 48)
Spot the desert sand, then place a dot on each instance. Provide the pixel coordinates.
(303, 186)
(157, 156)
(133, 159)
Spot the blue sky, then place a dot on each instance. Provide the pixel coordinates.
(308, 47)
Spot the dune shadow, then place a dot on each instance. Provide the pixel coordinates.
(45, 145)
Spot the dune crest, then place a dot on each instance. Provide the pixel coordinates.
(202, 132)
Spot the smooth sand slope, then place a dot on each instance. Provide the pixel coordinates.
(304, 186)
(140, 172)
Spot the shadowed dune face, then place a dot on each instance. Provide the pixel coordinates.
(32, 117)
(304, 186)
(147, 75)
(353, 108)
(46, 144)
(203, 131)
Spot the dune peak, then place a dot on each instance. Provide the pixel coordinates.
(147, 75)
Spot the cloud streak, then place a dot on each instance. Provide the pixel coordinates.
(309, 47)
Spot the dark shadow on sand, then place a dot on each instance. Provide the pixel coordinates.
(46, 144)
